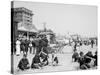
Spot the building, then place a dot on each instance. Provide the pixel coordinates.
(23, 17)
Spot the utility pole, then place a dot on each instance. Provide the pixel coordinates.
(44, 24)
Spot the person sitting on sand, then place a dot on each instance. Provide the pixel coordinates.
(36, 63)
(23, 63)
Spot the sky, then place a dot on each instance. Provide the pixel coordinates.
(63, 18)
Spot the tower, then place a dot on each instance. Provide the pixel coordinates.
(23, 15)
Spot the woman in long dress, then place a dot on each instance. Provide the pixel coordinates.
(18, 47)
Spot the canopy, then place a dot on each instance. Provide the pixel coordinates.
(30, 28)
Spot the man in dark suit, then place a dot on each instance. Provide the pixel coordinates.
(26, 46)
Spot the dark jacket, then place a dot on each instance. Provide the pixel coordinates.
(23, 64)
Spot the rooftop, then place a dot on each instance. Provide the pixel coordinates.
(20, 9)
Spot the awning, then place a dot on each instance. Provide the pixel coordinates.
(30, 28)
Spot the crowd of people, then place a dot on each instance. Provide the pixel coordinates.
(38, 62)
(39, 48)
(86, 61)
(32, 46)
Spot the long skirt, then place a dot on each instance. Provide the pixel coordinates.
(17, 49)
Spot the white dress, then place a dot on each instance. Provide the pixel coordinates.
(18, 47)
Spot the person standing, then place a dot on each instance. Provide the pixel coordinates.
(75, 47)
(30, 47)
(34, 46)
(26, 46)
(92, 43)
(22, 45)
(18, 47)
